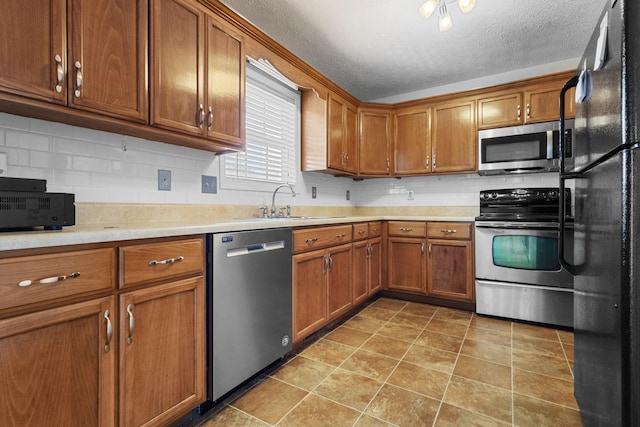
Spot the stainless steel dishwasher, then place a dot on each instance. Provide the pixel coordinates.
(249, 299)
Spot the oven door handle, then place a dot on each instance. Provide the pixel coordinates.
(564, 175)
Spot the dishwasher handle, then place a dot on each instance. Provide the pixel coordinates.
(255, 248)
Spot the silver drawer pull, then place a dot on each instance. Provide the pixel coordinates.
(52, 279)
(166, 261)
(311, 240)
(340, 236)
(361, 232)
(107, 344)
(406, 229)
(448, 231)
(132, 323)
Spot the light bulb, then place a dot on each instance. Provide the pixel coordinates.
(466, 5)
(444, 20)
(427, 8)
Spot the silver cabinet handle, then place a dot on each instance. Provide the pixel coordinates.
(52, 279)
(388, 164)
(210, 118)
(325, 264)
(406, 229)
(200, 116)
(166, 261)
(132, 323)
(519, 112)
(429, 250)
(107, 344)
(448, 231)
(528, 111)
(330, 262)
(426, 163)
(422, 249)
(434, 163)
(346, 156)
(59, 73)
(311, 240)
(78, 66)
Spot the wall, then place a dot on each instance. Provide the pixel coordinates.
(101, 167)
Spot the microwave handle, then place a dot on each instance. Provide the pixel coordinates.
(564, 176)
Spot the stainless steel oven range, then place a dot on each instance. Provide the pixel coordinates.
(518, 275)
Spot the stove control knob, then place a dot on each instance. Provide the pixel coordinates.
(553, 194)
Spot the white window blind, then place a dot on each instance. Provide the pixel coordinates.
(272, 134)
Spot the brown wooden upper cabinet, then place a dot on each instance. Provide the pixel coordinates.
(375, 142)
(197, 72)
(343, 135)
(453, 137)
(87, 54)
(412, 141)
(537, 101)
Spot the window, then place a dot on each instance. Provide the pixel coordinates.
(272, 135)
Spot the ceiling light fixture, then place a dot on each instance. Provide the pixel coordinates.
(444, 19)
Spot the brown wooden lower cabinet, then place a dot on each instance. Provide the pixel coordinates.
(407, 264)
(450, 267)
(56, 367)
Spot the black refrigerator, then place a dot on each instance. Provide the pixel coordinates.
(606, 176)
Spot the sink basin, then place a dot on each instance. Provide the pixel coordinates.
(259, 218)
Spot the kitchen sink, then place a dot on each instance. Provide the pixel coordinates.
(259, 218)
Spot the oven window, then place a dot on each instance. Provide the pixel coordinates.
(526, 252)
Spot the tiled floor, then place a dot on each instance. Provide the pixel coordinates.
(409, 364)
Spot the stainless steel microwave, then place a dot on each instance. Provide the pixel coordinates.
(524, 149)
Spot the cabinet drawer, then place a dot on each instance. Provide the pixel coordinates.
(39, 278)
(360, 231)
(375, 229)
(449, 230)
(314, 238)
(407, 228)
(158, 261)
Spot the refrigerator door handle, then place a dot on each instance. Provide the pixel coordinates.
(563, 177)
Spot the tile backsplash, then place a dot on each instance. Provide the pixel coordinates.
(102, 167)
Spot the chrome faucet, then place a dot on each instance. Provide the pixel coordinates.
(273, 198)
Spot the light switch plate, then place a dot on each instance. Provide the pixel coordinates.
(164, 180)
(209, 184)
(3, 164)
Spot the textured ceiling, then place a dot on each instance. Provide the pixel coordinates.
(380, 48)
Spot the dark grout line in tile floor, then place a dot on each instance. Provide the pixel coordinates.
(398, 363)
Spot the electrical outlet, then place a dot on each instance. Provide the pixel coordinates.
(410, 195)
(164, 180)
(348, 195)
(209, 184)
(3, 164)
(314, 193)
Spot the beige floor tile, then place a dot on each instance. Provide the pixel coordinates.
(369, 421)
(534, 331)
(453, 315)
(386, 346)
(490, 323)
(329, 352)
(488, 335)
(270, 400)
(482, 350)
(370, 365)
(543, 387)
(230, 416)
(316, 411)
(546, 365)
(389, 304)
(348, 336)
(536, 345)
(377, 313)
(349, 389)
(483, 371)
(399, 332)
(568, 351)
(365, 324)
(565, 336)
(431, 358)
(479, 397)
(424, 310)
(403, 407)
(440, 341)
(445, 327)
(405, 319)
(304, 373)
(451, 416)
(528, 411)
(420, 380)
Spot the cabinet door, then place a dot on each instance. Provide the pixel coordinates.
(454, 138)
(57, 369)
(360, 271)
(351, 139)
(335, 131)
(309, 294)
(412, 143)
(177, 66)
(108, 57)
(500, 110)
(339, 281)
(407, 264)
(375, 265)
(542, 102)
(162, 352)
(374, 143)
(450, 267)
(225, 83)
(33, 50)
